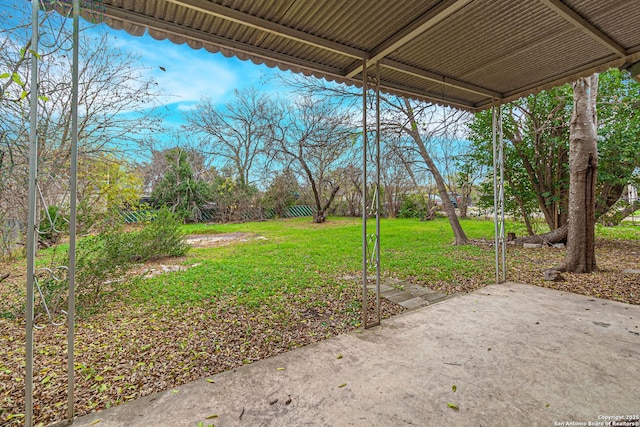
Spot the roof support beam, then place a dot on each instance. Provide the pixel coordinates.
(634, 69)
(436, 98)
(579, 22)
(223, 12)
(437, 78)
(565, 77)
(430, 19)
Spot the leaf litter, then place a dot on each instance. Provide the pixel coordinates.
(125, 352)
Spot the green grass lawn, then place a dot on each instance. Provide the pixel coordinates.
(626, 231)
(294, 254)
(284, 257)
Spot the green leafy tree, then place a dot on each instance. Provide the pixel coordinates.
(105, 185)
(179, 190)
(536, 151)
(619, 132)
(282, 193)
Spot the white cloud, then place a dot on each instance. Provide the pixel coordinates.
(186, 107)
(185, 75)
(189, 74)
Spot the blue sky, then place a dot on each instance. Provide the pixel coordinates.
(183, 74)
(188, 74)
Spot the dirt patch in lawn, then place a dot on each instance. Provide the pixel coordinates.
(212, 240)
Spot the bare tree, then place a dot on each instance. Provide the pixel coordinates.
(116, 109)
(468, 174)
(398, 176)
(350, 180)
(314, 138)
(236, 131)
(423, 122)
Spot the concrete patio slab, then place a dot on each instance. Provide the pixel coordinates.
(516, 354)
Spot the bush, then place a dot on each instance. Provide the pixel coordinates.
(52, 222)
(161, 237)
(282, 193)
(107, 256)
(412, 207)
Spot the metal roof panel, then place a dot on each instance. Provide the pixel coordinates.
(475, 49)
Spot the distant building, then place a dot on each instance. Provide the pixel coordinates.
(632, 193)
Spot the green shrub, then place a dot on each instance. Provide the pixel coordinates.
(161, 237)
(51, 224)
(106, 256)
(412, 207)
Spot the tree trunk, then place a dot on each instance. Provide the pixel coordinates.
(458, 232)
(462, 206)
(320, 215)
(615, 218)
(626, 212)
(559, 235)
(583, 165)
(527, 218)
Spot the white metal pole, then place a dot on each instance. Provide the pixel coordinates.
(73, 183)
(364, 193)
(378, 204)
(503, 247)
(31, 220)
(495, 191)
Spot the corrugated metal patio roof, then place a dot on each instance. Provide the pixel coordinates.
(462, 53)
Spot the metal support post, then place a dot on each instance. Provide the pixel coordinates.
(31, 220)
(32, 226)
(377, 193)
(73, 184)
(364, 195)
(501, 231)
(370, 242)
(498, 194)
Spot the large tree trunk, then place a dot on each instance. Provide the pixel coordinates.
(320, 215)
(583, 164)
